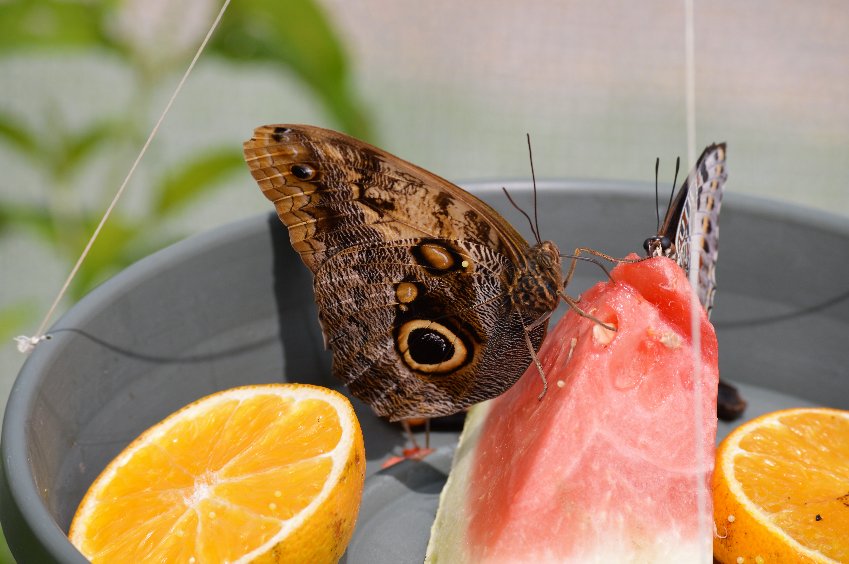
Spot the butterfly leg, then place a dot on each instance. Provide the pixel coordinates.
(577, 255)
(415, 452)
(409, 432)
(537, 362)
(574, 305)
(602, 255)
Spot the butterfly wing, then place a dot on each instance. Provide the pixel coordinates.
(699, 219)
(693, 218)
(411, 273)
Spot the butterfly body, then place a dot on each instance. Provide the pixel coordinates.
(426, 295)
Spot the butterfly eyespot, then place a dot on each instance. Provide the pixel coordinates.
(279, 132)
(436, 256)
(406, 292)
(430, 347)
(303, 172)
(440, 257)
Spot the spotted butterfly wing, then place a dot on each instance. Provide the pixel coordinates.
(426, 296)
(693, 215)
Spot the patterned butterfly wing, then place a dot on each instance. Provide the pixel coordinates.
(699, 223)
(413, 276)
(693, 216)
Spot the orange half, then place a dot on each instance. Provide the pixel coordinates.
(259, 473)
(781, 489)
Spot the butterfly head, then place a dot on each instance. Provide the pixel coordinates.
(536, 287)
(659, 245)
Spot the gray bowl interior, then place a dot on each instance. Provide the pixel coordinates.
(234, 306)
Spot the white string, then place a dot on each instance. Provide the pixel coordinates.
(27, 344)
(704, 523)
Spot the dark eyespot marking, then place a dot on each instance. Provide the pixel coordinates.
(302, 171)
(439, 257)
(430, 347)
(279, 132)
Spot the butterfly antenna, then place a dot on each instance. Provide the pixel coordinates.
(523, 212)
(674, 181)
(656, 197)
(534, 181)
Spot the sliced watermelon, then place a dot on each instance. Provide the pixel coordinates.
(608, 465)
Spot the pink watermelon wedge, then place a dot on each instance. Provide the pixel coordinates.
(607, 466)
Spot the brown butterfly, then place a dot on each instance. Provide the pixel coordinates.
(428, 298)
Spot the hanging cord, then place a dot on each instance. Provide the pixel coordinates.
(27, 344)
(705, 522)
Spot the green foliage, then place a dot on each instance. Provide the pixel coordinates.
(180, 187)
(51, 24)
(5, 555)
(14, 316)
(292, 37)
(17, 136)
(297, 37)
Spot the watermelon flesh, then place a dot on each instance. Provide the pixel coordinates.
(613, 464)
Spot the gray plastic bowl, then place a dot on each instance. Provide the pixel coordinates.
(234, 306)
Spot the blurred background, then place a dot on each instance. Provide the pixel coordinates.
(451, 86)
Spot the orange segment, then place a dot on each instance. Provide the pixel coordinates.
(260, 473)
(781, 489)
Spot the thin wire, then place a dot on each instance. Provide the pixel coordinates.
(704, 530)
(27, 344)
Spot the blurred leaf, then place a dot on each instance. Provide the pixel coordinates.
(5, 553)
(194, 178)
(13, 318)
(106, 256)
(28, 24)
(17, 135)
(115, 257)
(75, 148)
(297, 36)
(35, 218)
(290, 36)
(148, 244)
